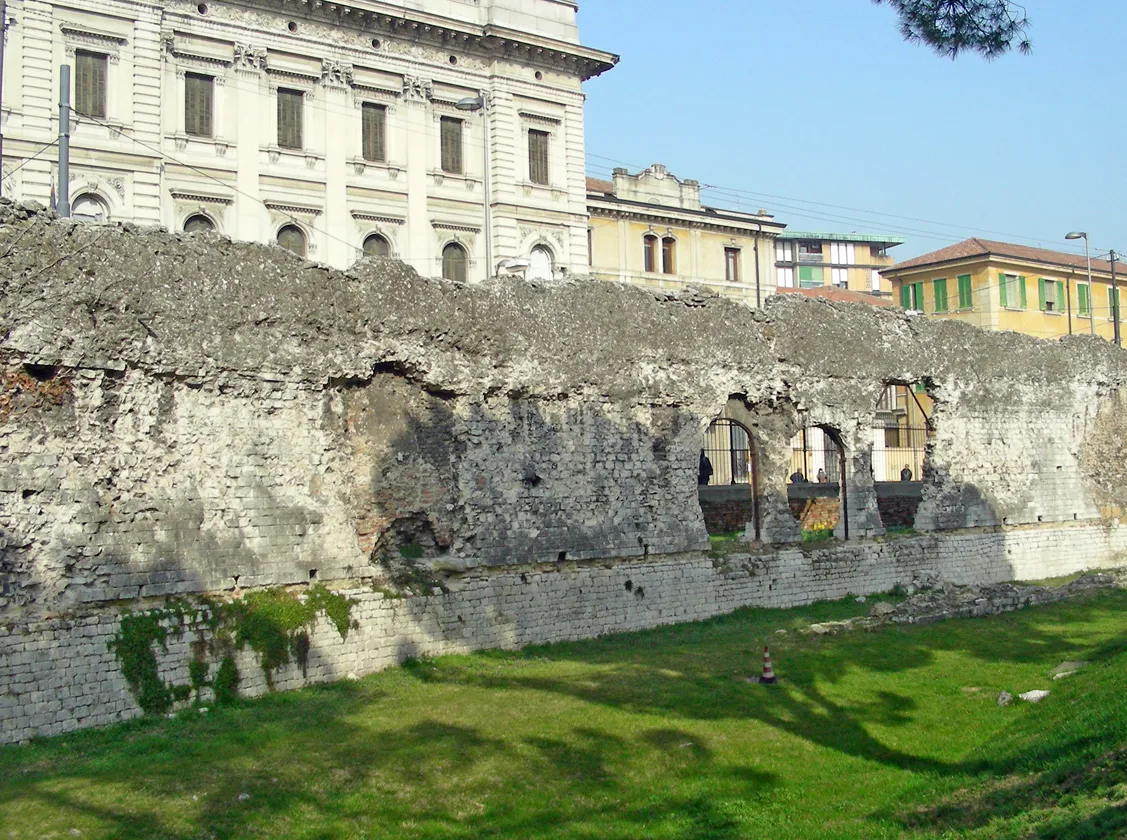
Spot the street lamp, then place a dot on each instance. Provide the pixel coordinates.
(474, 104)
(1079, 234)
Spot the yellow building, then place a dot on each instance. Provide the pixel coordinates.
(999, 286)
(854, 261)
(651, 229)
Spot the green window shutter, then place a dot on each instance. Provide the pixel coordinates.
(373, 131)
(919, 295)
(966, 299)
(1002, 290)
(1041, 293)
(1082, 297)
(1021, 292)
(940, 291)
(905, 296)
(1060, 296)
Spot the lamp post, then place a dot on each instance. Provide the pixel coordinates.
(1079, 234)
(473, 104)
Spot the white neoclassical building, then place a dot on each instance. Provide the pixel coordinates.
(447, 133)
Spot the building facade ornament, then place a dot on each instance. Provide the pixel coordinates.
(248, 57)
(336, 73)
(416, 89)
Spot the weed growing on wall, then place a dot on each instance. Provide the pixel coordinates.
(274, 623)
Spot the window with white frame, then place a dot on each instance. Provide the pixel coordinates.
(842, 253)
(784, 277)
(784, 251)
(840, 277)
(876, 280)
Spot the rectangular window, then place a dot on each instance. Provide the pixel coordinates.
(373, 131)
(538, 156)
(1011, 291)
(912, 296)
(876, 280)
(810, 247)
(197, 104)
(842, 253)
(784, 277)
(732, 265)
(966, 299)
(811, 276)
(840, 277)
(649, 253)
(668, 256)
(1083, 309)
(290, 118)
(783, 251)
(939, 292)
(451, 141)
(1050, 295)
(90, 84)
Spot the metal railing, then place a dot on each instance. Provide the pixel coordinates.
(899, 452)
(815, 458)
(731, 458)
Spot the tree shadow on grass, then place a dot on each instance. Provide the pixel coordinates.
(699, 673)
(311, 762)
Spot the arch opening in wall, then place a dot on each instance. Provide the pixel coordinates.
(903, 430)
(89, 207)
(198, 223)
(376, 246)
(292, 238)
(541, 264)
(455, 263)
(817, 484)
(728, 478)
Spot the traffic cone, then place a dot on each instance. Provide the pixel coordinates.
(768, 677)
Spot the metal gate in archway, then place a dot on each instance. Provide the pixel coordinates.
(731, 455)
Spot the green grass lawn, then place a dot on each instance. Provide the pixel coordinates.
(889, 734)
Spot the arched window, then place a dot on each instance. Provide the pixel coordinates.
(454, 262)
(198, 223)
(539, 264)
(292, 239)
(89, 208)
(376, 246)
(649, 251)
(669, 255)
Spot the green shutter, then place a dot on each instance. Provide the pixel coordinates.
(905, 296)
(1060, 296)
(1112, 303)
(919, 295)
(940, 291)
(197, 104)
(966, 298)
(1082, 297)
(1021, 292)
(1002, 290)
(1041, 293)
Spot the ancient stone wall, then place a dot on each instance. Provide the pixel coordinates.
(479, 465)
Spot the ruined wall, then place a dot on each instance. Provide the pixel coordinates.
(183, 415)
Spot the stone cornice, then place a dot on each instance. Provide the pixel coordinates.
(657, 215)
(199, 197)
(488, 42)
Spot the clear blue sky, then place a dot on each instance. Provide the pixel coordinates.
(821, 101)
